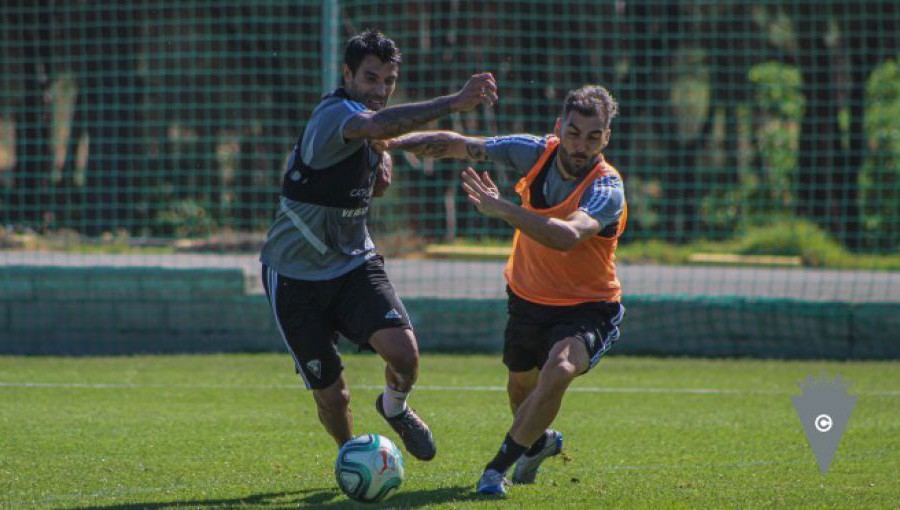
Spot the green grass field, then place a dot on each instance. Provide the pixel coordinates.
(239, 431)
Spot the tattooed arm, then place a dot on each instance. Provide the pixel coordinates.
(441, 144)
(397, 120)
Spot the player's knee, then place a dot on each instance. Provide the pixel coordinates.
(559, 372)
(399, 349)
(518, 390)
(405, 362)
(517, 394)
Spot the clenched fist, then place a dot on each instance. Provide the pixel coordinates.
(480, 89)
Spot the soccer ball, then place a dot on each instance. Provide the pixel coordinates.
(368, 468)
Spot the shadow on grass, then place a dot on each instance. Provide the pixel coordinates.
(326, 498)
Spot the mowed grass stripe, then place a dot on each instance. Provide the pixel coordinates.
(226, 431)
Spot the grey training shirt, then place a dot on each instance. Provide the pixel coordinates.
(602, 200)
(314, 242)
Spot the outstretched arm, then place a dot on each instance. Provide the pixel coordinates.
(562, 235)
(441, 144)
(397, 120)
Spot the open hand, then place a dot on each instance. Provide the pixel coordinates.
(482, 192)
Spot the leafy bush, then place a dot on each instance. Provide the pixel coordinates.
(792, 238)
(184, 218)
(880, 175)
(780, 104)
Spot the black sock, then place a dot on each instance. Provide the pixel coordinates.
(537, 446)
(509, 453)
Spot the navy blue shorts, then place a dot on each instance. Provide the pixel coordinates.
(532, 329)
(311, 314)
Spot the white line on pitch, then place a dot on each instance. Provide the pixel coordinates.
(589, 389)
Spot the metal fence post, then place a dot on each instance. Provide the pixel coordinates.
(331, 11)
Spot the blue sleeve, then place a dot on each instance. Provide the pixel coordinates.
(323, 140)
(604, 199)
(519, 152)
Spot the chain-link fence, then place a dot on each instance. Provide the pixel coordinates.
(750, 133)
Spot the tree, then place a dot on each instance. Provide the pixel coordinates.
(655, 38)
(31, 174)
(868, 41)
(829, 171)
(112, 112)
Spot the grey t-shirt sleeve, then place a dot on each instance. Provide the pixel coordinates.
(323, 140)
(519, 152)
(604, 200)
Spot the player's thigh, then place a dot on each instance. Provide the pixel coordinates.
(594, 325)
(568, 353)
(367, 303)
(309, 331)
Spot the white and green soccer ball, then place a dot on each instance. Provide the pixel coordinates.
(369, 467)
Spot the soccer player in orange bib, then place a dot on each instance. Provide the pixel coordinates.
(564, 296)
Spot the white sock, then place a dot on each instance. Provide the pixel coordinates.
(393, 401)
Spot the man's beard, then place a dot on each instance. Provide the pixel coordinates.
(572, 168)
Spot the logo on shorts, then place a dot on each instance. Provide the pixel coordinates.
(315, 367)
(393, 314)
(590, 339)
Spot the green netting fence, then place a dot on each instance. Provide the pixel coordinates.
(758, 140)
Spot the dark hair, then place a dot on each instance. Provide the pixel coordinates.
(370, 42)
(592, 100)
